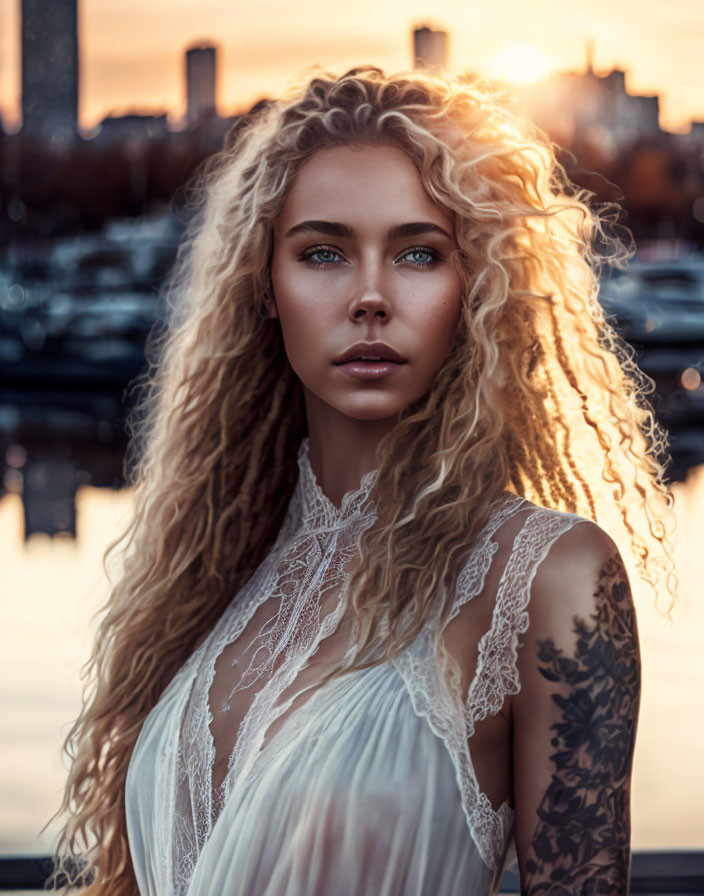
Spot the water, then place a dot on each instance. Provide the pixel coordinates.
(51, 588)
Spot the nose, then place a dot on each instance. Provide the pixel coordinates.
(369, 300)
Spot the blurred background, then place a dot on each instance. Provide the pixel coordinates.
(107, 108)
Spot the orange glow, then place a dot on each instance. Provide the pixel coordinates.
(49, 629)
(521, 64)
(135, 62)
(691, 379)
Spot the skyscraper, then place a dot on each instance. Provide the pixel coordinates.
(429, 48)
(200, 82)
(49, 38)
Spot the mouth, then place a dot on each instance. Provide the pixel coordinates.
(376, 353)
(370, 361)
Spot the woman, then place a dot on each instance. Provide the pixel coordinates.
(369, 637)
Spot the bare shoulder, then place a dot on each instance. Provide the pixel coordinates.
(581, 549)
(581, 609)
(579, 556)
(574, 572)
(582, 573)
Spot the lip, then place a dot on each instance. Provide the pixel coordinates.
(369, 370)
(368, 351)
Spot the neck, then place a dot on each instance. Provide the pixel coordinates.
(341, 449)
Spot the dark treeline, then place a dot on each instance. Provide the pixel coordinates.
(658, 181)
(46, 193)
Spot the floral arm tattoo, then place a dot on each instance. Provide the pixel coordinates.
(581, 845)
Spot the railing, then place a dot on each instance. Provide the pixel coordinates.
(661, 873)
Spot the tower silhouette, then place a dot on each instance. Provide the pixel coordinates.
(49, 40)
(200, 82)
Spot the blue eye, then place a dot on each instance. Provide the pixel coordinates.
(421, 256)
(321, 256)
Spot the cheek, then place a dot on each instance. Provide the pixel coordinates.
(438, 318)
(301, 312)
(289, 294)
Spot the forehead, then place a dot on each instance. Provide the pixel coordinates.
(366, 186)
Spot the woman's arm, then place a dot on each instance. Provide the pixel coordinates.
(575, 721)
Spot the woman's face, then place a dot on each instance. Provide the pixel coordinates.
(363, 284)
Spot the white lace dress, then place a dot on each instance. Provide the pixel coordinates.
(248, 780)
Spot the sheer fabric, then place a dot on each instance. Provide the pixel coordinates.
(247, 779)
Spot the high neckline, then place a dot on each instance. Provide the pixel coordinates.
(317, 508)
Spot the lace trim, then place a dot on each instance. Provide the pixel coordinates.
(168, 772)
(317, 510)
(442, 708)
(432, 696)
(497, 674)
(472, 576)
(316, 541)
(431, 700)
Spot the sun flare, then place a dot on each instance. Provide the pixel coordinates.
(520, 64)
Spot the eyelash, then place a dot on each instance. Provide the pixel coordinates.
(307, 256)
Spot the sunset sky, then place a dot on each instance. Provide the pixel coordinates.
(132, 52)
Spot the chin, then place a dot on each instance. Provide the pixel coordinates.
(371, 415)
(371, 410)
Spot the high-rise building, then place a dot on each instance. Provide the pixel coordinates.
(596, 109)
(200, 82)
(429, 48)
(49, 38)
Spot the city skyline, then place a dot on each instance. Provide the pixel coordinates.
(132, 58)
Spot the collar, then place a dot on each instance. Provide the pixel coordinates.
(317, 510)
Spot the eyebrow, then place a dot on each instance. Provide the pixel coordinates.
(333, 228)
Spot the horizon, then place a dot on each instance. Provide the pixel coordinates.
(132, 57)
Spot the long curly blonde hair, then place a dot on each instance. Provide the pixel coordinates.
(538, 395)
